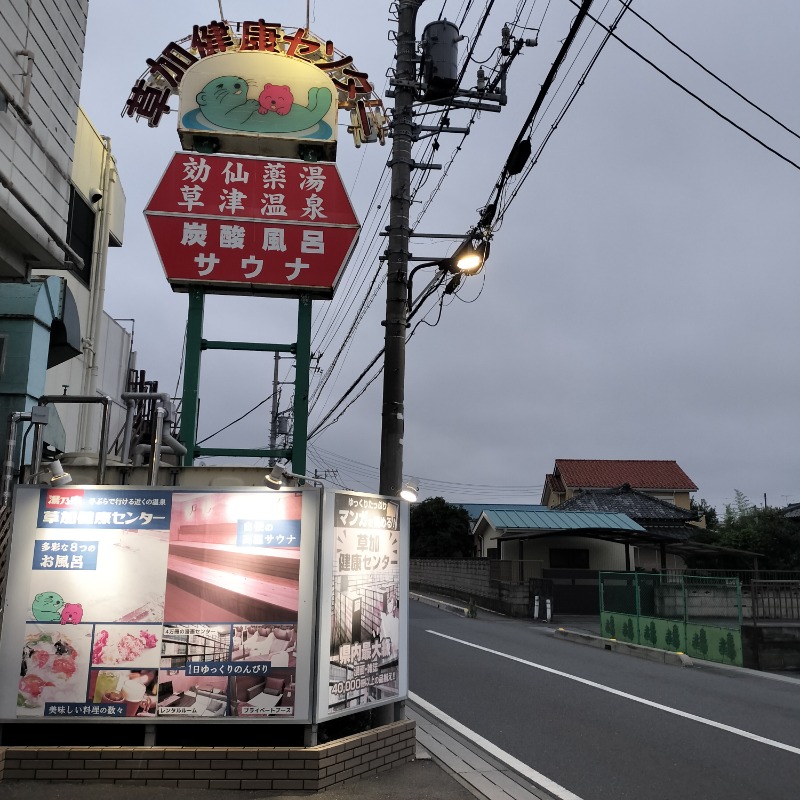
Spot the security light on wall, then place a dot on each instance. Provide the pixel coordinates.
(278, 477)
(54, 476)
(409, 491)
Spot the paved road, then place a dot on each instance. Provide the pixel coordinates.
(605, 725)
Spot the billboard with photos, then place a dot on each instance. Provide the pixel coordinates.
(364, 590)
(157, 603)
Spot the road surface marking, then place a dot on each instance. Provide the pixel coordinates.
(677, 712)
(518, 766)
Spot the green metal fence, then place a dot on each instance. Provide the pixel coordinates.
(697, 615)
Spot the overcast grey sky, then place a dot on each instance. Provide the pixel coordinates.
(641, 299)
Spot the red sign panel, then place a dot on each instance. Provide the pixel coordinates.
(252, 225)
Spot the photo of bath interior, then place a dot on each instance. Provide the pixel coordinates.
(212, 576)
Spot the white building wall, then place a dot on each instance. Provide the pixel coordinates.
(37, 136)
(602, 555)
(112, 342)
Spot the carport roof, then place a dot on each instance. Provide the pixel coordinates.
(518, 524)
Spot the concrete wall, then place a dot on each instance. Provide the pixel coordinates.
(771, 646)
(469, 579)
(37, 136)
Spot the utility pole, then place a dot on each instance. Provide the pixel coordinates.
(401, 164)
(273, 424)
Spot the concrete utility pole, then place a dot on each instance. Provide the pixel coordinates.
(273, 418)
(401, 164)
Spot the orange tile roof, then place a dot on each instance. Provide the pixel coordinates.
(606, 474)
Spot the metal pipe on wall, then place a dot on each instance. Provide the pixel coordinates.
(157, 439)
(129, 399)
(11, 445)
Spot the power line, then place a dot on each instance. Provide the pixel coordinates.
(693, 95)
(239, 419)
(713, 74)
(502, 208)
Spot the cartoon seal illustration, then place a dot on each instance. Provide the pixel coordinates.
(224, 102)
(47, 607)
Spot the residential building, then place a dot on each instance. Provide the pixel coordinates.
(666, 525)
(664, 480)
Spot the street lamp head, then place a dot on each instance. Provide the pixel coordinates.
(470, 256)
(468, 259)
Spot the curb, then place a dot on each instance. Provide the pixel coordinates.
(636, 650)
(430, 601)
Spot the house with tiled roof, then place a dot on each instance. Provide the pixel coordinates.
(664, 523)
(664, 480)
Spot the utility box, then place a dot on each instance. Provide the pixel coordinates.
(440, 59)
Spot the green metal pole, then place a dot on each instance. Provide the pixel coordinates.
(191, 375)
(301, 380)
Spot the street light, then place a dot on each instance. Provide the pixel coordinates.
(468, 259)
(471, 255)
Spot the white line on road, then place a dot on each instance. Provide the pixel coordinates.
(677, 712)
(518, 766)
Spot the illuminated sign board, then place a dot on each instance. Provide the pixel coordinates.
(248, 225)
(292, 79)
(154, 604)
(161, 605)
(365, 554)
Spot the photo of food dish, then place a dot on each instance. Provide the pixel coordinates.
(54, 667)
(128, 645)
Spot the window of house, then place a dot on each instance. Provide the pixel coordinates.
(80, 233)
(562, 558)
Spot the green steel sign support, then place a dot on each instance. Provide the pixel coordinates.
(191, 376)
(195, 344)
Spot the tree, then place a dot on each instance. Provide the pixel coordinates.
(439, 530)
(611, 628)
(676, 638)
(703, 508)
(766, 531)
(761, 530)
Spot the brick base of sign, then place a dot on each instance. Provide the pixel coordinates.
(299, 768)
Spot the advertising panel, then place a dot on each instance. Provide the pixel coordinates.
(160, 604)
(364, 590)
(248, 225)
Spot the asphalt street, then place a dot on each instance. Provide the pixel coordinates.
(602, 724)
